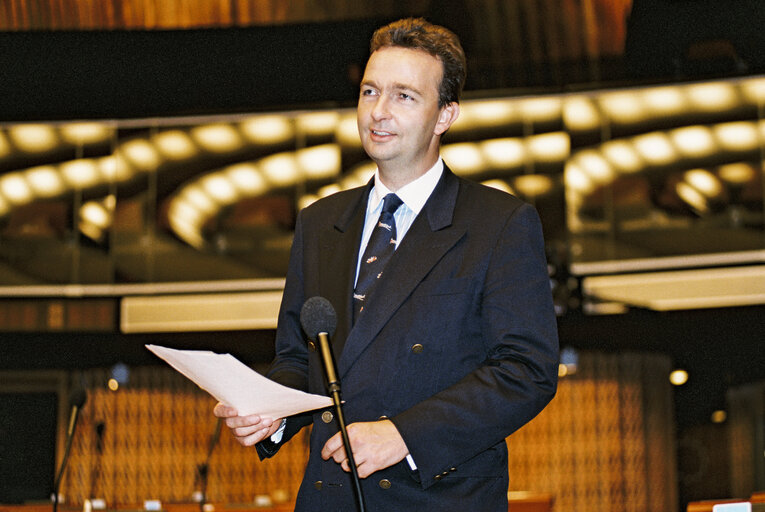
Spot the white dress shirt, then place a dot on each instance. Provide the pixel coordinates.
(414, 195)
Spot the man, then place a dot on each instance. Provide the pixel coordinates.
(455, 345)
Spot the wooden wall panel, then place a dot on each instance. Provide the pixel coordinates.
(605, 442)
(605, 439)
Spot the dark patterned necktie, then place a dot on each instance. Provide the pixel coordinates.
(379, 249)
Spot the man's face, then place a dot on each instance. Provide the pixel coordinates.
(399, 118)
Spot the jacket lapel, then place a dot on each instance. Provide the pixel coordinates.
(428, 239)
(337, 272)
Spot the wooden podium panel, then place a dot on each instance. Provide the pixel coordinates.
(519, 501)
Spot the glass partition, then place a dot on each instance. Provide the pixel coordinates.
(663, 174)
(666, 177)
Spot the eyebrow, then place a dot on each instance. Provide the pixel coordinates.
(398, 86)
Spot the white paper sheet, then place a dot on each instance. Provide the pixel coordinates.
(232, 382)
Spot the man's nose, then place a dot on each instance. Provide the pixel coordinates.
(381, 108)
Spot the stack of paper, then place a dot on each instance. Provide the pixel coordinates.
(235, 384)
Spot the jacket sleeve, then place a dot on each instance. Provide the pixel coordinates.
(290, 365)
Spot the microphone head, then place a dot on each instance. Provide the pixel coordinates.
(78, 397)
(318, 315)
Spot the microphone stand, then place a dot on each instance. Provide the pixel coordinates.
(78, 399)
(99, 429)
(333, 386)
(203, 469)
(57, 484)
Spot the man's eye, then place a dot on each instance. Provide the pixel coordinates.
(367, 92)
(405, 96)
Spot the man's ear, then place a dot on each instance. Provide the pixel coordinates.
(449, 113)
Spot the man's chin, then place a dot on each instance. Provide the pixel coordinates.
(378, 152)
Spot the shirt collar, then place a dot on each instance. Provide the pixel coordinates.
(414, 194)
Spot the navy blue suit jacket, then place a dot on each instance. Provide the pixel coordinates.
(457, 346)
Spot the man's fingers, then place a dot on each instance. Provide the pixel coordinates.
(376, 445)
(361, 469)
(224, 411)
(254, 438)
(247, 430)
(334, 449)
(248, 421)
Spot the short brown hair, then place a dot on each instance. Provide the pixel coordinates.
(440, 42)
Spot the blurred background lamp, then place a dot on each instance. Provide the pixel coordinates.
(15, 188)
(33, 138)
(504, 153)
(141, 154)
(247, 179)
(120, 372)
(549, 147)
(85, 133)
(678, 377)
(719, 416)
(655, 148)
(81, 173)
(580, 114)
(273, 129)
(217, 138)
(320, 161)
(347, 133)
(45, 181)
(622, 155)
(280, 169)
(175, 145)
(533, 185)
(318, 123)
(569, 361)
(464, 158)
(713, 96)
(663, 101)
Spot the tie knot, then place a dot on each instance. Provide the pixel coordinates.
(391, 202)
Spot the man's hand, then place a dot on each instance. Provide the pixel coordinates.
(247, 430)
(376, 445)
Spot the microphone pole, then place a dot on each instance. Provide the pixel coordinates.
(333, 385)
(77, 399)
(204, 469)
(99, 429)
(319, 321)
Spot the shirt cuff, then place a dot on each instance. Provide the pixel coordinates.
(276, 437)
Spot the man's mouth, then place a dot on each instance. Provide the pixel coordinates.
(381, 133)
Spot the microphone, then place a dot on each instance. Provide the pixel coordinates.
(77, 399)
(319, 321)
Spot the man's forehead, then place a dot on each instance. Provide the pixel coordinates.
(404, 50)
(413, 65)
